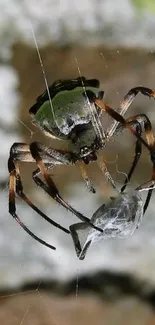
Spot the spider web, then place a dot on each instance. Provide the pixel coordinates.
(38, 291)
(39, 295)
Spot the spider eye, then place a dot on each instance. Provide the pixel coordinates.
(85, 151)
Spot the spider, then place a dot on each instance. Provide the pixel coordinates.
(70, 110)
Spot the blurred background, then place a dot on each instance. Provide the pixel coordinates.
(113, 41)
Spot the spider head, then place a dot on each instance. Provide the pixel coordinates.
(87, 154)
(84, 143)
(91, 156)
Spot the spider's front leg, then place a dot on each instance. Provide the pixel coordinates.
(138, 151)
(126, 103)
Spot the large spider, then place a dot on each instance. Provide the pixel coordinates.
(70, 110)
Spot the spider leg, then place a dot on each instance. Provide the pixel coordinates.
(85, 177)
(49, 186)
(115, 115)
(95, 117)
(15, 185)
(125, 104)
(74, 233)
(47, 157)
(138, 121)
(142, 118)
(144, 121)
(102, 165)
(150, 144)
(84, 250)
(97, 125)
(107, 175)
(74, 228)
(96, 122)
(83, 172)
(138, 151)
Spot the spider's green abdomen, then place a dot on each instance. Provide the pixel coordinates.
(67, 109)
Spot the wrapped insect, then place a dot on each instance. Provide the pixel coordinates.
(118, 218)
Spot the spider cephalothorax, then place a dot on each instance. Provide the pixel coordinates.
(70, 110)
